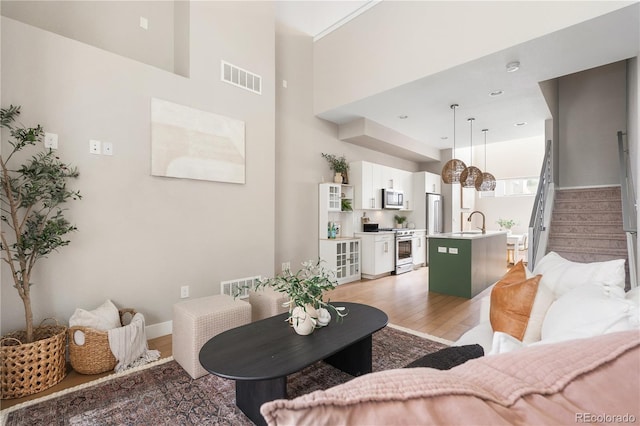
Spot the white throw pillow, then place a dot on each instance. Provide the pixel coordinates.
(562, 275)
(541, 304)
(104, 317)
(503, 343)
(634, 296)
(589, 310)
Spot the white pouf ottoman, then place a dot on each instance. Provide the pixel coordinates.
(196, 321)
(266, 303)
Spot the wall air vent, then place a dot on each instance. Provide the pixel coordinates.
(240, 77)
(240, 287)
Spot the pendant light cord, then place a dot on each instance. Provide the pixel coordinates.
(485, 148)
(470, 120)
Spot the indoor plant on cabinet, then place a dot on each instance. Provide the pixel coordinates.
(33, 225)
(305, 289)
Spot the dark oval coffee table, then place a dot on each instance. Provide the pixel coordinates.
(259, 356)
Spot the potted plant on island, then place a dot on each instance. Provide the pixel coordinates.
(340, 166)
(506, 224)
(305, 289)
(33, 225)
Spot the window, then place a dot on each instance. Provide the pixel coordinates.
(518, 187)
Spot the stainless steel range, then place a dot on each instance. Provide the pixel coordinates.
(404, 255)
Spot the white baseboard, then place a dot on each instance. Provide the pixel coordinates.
(161, 329)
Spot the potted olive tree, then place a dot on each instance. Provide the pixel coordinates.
(33, 226)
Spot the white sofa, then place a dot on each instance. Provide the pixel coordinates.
(573, 300)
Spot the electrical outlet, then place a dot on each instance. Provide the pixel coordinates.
(184, 291)
(286, 266)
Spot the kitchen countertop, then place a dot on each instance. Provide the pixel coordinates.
(467, 235)
(374, 233)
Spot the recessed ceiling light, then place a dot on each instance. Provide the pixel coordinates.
(513, 66)
(496, 93)
(403, 117)
(522, 123)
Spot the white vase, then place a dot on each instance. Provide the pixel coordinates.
(337, 178)
(324, 317)
(304, 320)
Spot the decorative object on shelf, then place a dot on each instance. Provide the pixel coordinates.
(400, 220)
(305, 289)
(339, 165)
(454, 167)
(471, 176)
(346, 205)
(488, 182)
(31, 195)
(332, 230)
(506, 224)
(337, 178)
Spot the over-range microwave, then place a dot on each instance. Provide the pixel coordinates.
(392, 199)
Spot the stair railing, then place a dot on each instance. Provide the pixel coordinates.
(629, 206)
(541, 208)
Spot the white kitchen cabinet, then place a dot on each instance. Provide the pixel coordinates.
(378, 253)
(366, 179)
(342, 256)
(419, 248)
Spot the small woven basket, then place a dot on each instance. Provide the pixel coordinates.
(29, 368)
(94, 356)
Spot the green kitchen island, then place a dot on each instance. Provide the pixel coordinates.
(465, 263)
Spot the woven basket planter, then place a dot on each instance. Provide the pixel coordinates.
(29, 368)
(94, 356)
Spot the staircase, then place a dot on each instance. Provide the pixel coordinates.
(586, 225)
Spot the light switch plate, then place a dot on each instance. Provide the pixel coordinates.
(94, 147)
(442, 249)
(51, 140)
(453, 250)
(107, 148)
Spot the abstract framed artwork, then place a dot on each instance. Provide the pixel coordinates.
(192, 144)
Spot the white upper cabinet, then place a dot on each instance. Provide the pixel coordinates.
(366, 179)
(369, 179)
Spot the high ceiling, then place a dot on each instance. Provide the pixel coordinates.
(425, 102)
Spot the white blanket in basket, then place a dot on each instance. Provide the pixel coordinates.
(129, 344)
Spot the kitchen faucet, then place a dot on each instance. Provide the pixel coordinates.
(484, 229)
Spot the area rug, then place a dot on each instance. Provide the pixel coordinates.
(165, 394)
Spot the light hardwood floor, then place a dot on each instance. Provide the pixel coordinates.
(405, 298)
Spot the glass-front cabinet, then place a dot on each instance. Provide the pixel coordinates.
(343, 257)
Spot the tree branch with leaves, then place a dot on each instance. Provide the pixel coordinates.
(31, 196)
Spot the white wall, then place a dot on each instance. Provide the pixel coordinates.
(386, 46)
(592, 109)
(301, 138)
(509, 160)
(113, 26)
(141, 237)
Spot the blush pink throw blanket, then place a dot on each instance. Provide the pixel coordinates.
(563, 383)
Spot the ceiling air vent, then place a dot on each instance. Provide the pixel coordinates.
(240, 77)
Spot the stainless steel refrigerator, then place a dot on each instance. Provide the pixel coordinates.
(435, 217)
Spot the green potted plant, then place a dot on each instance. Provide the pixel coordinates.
(34, 225)
(305, 289)
(400, 220)
(506, 224)
(340, 167)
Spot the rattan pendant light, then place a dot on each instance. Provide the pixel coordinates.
(471, 175)
(454, 167)
(488, 182)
